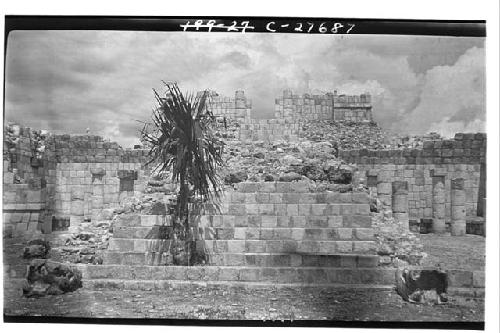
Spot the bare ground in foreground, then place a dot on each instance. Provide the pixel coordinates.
(269, 303)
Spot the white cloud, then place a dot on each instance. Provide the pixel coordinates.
(452, 95)
(71, 80)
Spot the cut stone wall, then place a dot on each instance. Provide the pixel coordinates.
(441, 160)
(290, 112)
(73, 177)
(28, 180)
(101, 171)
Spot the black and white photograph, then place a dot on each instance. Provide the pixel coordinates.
(305, 171)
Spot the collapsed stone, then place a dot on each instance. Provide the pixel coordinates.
(46, 277)
(37, 248)
(422, 286)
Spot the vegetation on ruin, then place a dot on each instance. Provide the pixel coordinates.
(182, 143)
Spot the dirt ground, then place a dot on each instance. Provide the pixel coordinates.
(270, 303)
(248, 304)
(459, 252)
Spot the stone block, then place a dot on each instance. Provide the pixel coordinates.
(317, 221)
(129, 220)
(252, 209)
(292, 209)
(308, 246)
(266, 234)
(247, 187)
(328, 247)
(333, 209)
(77, 207)
(287, 275)
(348, 260)
(274, 246)
(262, 198)
(292, 198)
(237, 209)
(364, 233)
(298, 221)
(254, 221)
(364, 246)
(460, 279)
(269, 221)
(251, 233)
(234, 259)
(75, 220)
(266, 209)
(361, 198)
(276, 198)
(307, 198)
(249, 274)
(32, 227)
(318, 209)
(34, 196)
(255, 246)
(299, 187)
(344, 233)
(237, 197)
(267, 187)
(313, 234)
(124, 245)
(283, 187)
(478, 279)
(357, 221)
(348, 209)
(344, 246)
(362, 209)
(228, 221)
(304, 209)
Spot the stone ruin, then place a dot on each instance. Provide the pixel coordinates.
(318, 196)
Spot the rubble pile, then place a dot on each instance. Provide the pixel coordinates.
(286, 161)
(396, 245)
(36, 248)
(346, 135)
(46, 277)
(413, 142)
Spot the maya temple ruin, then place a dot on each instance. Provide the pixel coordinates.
(319, 195)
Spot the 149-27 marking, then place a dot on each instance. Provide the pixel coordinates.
(270, 26)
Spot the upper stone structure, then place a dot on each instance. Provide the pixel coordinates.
(290, 111)
(293, 108)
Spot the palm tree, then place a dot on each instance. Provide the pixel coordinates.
(181, 141)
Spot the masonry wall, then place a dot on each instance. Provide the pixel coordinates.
(97, 171)
(323, 107)
(238, 107)
(439, 160)
(290, 112)
(28, 180)
(72, 178)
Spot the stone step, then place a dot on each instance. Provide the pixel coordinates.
(460, 283)
(252, 259)
(353, 220)
(290, 197)
(308, 275)
(161, 285)
(299, 208)
(240, 233)
(250, 246)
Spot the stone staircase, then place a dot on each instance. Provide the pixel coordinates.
(273, 232)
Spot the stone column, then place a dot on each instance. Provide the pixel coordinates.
(457, 207)
(384, 192)
(97, 199)
(438, 208)
(76, 208)
(400, 203)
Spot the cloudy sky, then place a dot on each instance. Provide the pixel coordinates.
(67, 81)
